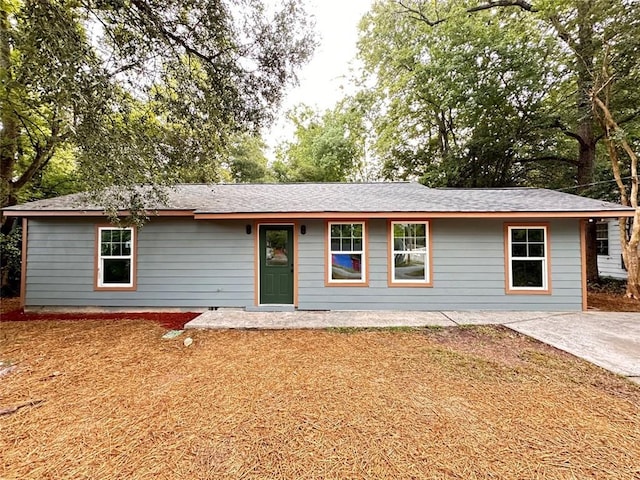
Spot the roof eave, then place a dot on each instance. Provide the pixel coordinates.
(203, 215)
(93, 213)
(199, 215)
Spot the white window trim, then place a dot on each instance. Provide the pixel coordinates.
(363, 252)
(427, 257)
(130, 257)
(544, 260)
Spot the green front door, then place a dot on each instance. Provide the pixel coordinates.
(276, 264)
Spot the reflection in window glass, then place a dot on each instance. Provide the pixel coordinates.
(346, 245)
(410, 254)
(276, 245)
(116, 270)
(346, 266)
(527, 273)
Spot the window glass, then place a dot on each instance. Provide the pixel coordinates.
(536, 250)
(535, 234)
(410, 256)
(346, 266)
(602, 238)
(527, 273)
(518, 235)
(347, 252)
(116, 270)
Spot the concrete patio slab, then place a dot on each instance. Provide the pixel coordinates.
(230, 318)
(608, 339)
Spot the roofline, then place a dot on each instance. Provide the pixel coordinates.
(93, 213)
(409, 215)
(294, 215)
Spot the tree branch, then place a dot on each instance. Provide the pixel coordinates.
(153, 19)
(550, 158)
(503, 3)
(563, 128)
(42, 157)
(419, 15)
(611, 128)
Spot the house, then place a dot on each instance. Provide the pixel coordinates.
(358, 246)
(610, 263)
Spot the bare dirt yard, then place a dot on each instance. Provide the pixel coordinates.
(608, 295)
(112, 400)
(612, 302)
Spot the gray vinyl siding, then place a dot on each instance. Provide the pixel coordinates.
(187, 263)
(181, 263)
(611, 265)
(468, 271)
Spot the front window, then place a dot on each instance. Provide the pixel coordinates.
(528, 258)
(410, 254)
(347, 253)
(602, 238)
(115, 257)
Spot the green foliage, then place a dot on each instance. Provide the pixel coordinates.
(142, 92)
(10, 252)
(460, 103)
(327, 147)
(247, 162)
(473, 97)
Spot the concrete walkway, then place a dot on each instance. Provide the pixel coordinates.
(608, 339)
(239, 318)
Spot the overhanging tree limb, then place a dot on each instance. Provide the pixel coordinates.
(503, 3)
(420, 15)
(550, 158)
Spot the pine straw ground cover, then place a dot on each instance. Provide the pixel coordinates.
(120, 402)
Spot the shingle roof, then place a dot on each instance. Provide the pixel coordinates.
(345, 197)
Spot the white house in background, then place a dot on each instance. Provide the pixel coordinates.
(610, 263)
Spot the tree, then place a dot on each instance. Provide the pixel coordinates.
(326, 147)
(579, 29)
(139, 89)
(247, 162)
(461, 104)
(615, 92)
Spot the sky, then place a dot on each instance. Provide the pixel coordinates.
(322, 78)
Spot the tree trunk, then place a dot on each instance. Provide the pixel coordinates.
(9, 132)
(591, 252)
(630, 257)
(8, 139)
(584, 50)
(629, 246)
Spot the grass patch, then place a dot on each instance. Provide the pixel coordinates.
(352, 330)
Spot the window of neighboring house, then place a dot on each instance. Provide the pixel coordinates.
(602, 238)
(347, 253)
(410, 253)
(528, 258)
(116, 250)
